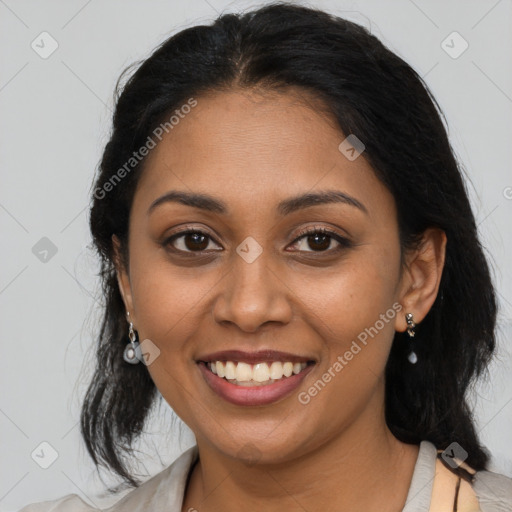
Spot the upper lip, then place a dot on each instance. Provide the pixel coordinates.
(261, 356)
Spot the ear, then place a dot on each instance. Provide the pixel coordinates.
(123, 278)
(421, 277)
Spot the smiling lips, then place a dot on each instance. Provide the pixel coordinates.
(259, 374)
(254, 368)
(253, 378)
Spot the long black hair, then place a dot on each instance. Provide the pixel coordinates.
(373, 94)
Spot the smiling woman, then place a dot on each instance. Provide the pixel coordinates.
(295, 268)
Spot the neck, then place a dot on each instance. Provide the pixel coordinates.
(363, 468)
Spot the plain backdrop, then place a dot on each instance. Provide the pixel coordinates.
(55, 118)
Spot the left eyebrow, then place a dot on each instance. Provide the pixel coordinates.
(316, 198)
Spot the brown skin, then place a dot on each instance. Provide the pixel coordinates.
(252, 150)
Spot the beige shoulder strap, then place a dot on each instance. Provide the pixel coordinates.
(450, 493)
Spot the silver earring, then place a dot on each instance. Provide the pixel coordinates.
(413, 358)
(132, 350)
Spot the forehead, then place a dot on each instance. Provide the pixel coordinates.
(254, 146)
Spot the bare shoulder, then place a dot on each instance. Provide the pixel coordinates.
(68, 503)
(478, 491)
(449, 489)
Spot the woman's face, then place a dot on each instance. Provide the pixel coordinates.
(252, 281)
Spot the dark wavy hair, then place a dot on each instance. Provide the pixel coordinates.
(372, 93)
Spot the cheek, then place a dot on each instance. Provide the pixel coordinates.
(169, 302)
(354, 318)
(168, 299)
(353, 311)
(355, 294)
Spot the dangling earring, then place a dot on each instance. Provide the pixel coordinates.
(132, 350)
(413, 358)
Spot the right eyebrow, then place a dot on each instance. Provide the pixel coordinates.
(195, 200)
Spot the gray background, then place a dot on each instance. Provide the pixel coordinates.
(55, 118)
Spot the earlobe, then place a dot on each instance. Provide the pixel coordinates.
(421, 277)
(123, 278)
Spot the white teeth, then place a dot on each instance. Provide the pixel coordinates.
(220, 369)
(260, 372)
(230, 370)
(276, 370)
(238, 372)
(243, 371)
(287, 369)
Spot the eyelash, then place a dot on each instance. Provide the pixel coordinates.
(343, 242)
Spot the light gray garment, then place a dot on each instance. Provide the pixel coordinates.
(165, 490)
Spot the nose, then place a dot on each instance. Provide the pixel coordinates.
(252, 294)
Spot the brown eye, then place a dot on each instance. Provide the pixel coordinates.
(320, 240)
(190, 241)
(196, 241)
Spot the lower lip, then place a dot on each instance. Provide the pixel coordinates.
(253, 395)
